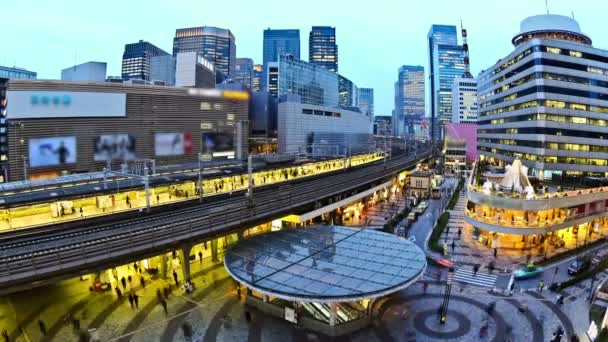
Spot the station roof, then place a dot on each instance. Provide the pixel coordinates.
(325, 263)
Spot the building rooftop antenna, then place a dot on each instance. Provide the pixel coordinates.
(465, 52)
(547, 5)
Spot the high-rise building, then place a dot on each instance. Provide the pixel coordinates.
(349, 93)
(217, 45)
(409, 99)
(280, 42)
(464, 90)
(89, 71)
(162, 68)
(244, 72)
(272, 81)
(546, 102)
(366, 101)
(258, 81)
(322, 47)
(440, 35)
(136, 60)
(14, 72)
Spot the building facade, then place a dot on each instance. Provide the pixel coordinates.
(366, 101)
(217, 45)
(349, 93)
(244, 72)
(322, 47)
(14, 72)
(315, 85)
(4, 138)
(444, 35)
(258, 81)
(59, 127)
(546, 102)
(409, 100)
(279, 42)
(464, 100)
(136, 60)
(382, 125)
(162, 68)
(193, 70)
(321, 130)
(89, 71)
(449, 63)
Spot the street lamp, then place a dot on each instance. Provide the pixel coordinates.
(446, 296)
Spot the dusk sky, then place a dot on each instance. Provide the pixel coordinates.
(374, 37)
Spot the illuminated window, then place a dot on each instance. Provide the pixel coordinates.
(554, 50)
(578, 106)
(205, 106)
(576, 54)
(555, 104)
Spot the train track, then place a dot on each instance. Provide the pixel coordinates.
(32, 257)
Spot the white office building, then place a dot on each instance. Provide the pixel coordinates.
(89, 71)
(464, 100)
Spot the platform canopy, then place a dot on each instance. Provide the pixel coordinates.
(325, 263)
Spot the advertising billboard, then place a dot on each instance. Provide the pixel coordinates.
(52, 151)
(172, 144)
(218, 144)
(114, 147)
(27, 104)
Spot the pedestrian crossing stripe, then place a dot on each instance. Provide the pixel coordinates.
(481, 279)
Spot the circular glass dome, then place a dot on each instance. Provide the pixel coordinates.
(550, 26)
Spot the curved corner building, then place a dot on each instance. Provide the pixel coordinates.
(546, 104)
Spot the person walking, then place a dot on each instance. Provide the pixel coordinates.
(164, 304)
(136, 301)
(129, 279)
(131, 300)
(175, 278)
(459, 233)
(453, 245)
(142, 281)
(123, 281)
(42, 327)
(200, 256)
(541, 286)
(475, 269)
(118, 293)
(495, 252)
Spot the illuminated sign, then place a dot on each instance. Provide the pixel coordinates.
(55, 100)
(65, 104)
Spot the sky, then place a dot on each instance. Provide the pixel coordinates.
(374, 37)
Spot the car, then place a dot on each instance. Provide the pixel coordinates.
(578, 266)
(421, 207)
(401, 231)
(530, 271)
(411, 217)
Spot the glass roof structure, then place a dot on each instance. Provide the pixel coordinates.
(325, 263)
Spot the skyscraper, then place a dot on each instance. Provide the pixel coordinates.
(322, 47)
(349, 93)
(278, 42)
(409, 99)
(217, 45)
(136, 60)
(366, 101)
(258, 81)
(439, 35)
(244, 72)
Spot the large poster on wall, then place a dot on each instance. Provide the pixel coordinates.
(52, 151)
(172, 144)
(217, 143)
(114, 147)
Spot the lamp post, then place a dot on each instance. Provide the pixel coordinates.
(446, 296)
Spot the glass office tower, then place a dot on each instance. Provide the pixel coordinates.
(349, 93)
(409, 99)
(438, 34)
(258, 81)
(136, 60)
(314, 84)
(322, 47)
(366, 101)
(279, 42)
(244, 72)
(217, 45)
(449, 65)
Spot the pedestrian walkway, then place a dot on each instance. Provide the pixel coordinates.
(466, 275)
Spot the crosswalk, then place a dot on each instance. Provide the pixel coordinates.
(466, 275)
